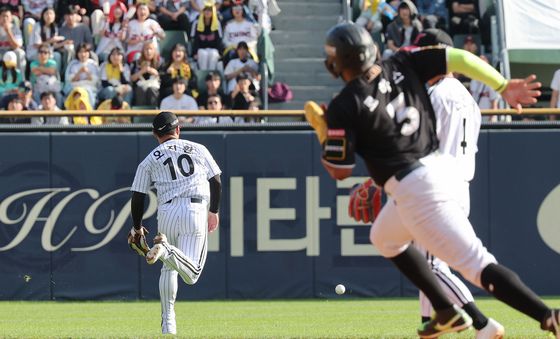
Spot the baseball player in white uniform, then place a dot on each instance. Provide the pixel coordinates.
(458, 121)
(187, 180)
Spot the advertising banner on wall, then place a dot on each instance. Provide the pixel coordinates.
(284, 231)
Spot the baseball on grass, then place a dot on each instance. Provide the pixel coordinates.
(340, 289)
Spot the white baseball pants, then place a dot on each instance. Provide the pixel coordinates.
(185, 223)
(422, 207)
(454, 288)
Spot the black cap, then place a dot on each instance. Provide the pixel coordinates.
(25, 86)
(165, 122)
(433, 36)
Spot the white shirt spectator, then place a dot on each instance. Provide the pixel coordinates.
(186, 102)
(236, 64)
(146, 31)
(483, 94)
(555, 85)
(50, 120)
(241, 31)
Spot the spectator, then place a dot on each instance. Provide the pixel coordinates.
(47, 32)
(463, 16)
(259, 8)
(48, 104)
(433, 11)
(177, 67)
(113, 33)
(213, 87)
(486, 98)
(145, 76)
(240, 29)
(115, 77)
(44, 75)
(78, 99)
(32, 13)
(25, 93)
(554, 98)
(173, 15)
(10, 76)
(242, 97)
(179, 100)
(226, 10)
(241, 65)
(75, 31)
(115, 104)
(370, 14)
(207, 39)
(404, 29)
(83, 72)
(16, 8)
(140, 30)
(214, 103)
(11, 38)
(84, 8)
(14, 103)
(470, 45)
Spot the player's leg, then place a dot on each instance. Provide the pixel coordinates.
(168, 294)
(437, 222)
(392, 240)
(187, 254)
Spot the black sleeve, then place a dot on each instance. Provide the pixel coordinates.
(338, 149)
(105, 83)
(137, 208)
(428, 62)
(215, 193)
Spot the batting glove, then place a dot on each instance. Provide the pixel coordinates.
(137, 240)
(366, 201)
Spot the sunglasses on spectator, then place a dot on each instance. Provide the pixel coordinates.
(212, 102)
(44, 52)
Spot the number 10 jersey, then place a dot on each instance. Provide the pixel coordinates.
(178, 168)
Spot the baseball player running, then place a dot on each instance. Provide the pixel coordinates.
(457, 126)
(384, 114)
(187, 180)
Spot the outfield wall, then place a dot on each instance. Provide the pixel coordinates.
(64, 216)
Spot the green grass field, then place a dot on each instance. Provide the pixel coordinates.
(335, 318)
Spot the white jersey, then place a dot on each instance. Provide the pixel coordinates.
(458, 123)
(178, 168)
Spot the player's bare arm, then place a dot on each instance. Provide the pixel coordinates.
(516, 92)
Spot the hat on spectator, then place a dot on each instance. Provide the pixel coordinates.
(25, 86)
(433, 36)
(165, 122)
(242, 44)
(10, 59)
(116, 102)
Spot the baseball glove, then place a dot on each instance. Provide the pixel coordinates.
(315, 116)
(366, 201)
(137, 240)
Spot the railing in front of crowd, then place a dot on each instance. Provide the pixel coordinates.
(529, 118)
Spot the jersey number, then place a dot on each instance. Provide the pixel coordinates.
(169, 163)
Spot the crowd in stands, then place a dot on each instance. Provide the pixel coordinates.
(114, 54)
(397, 23)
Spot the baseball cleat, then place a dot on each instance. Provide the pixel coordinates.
(447, 321)
(552, 322)
(492, 330)
(158, 250)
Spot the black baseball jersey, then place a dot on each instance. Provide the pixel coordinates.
(387, 119)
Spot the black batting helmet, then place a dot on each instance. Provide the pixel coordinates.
(349, 46)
